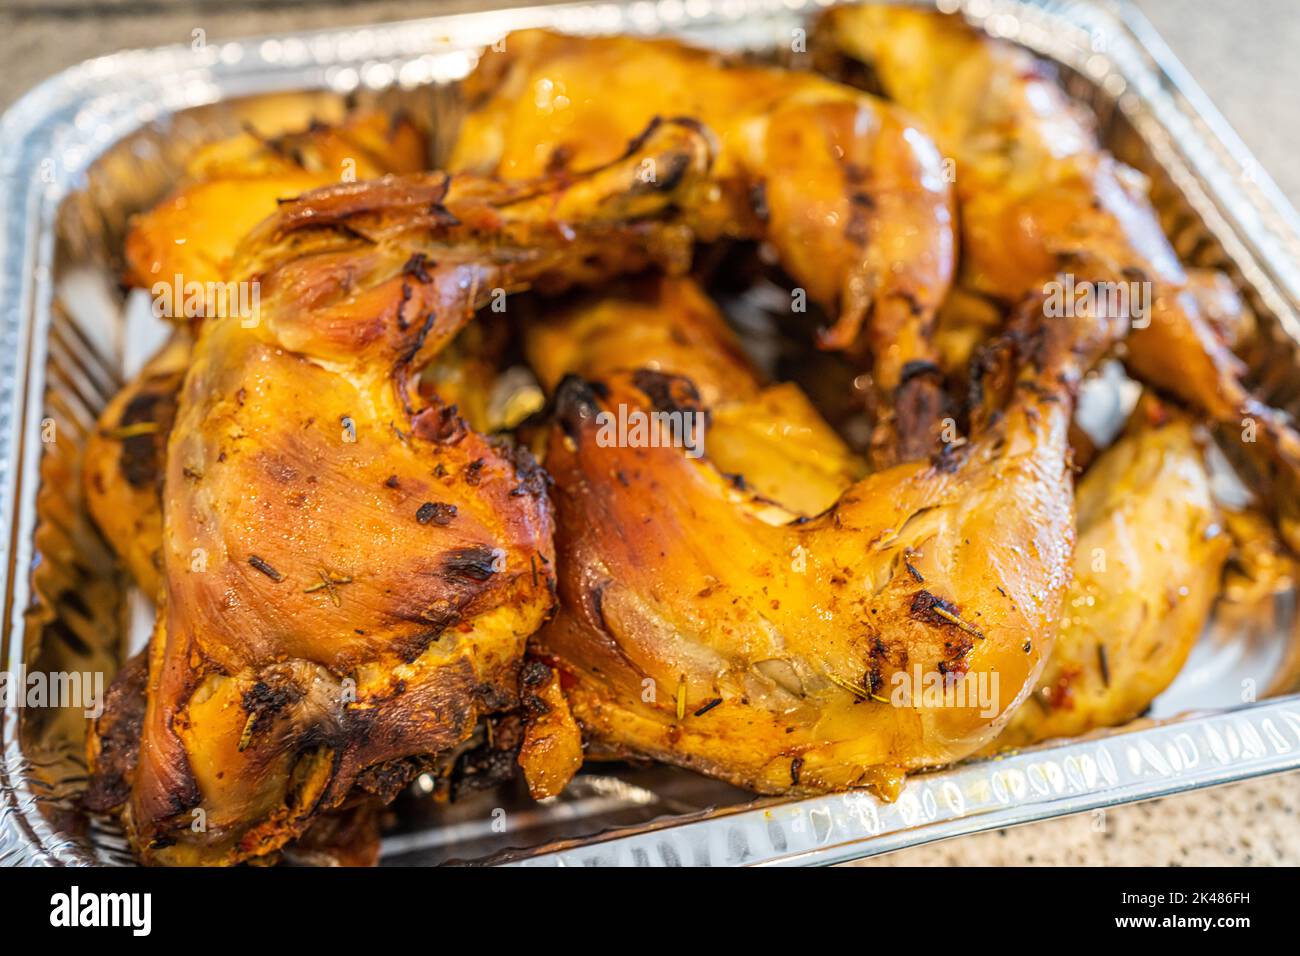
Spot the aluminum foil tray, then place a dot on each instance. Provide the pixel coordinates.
(105, 139)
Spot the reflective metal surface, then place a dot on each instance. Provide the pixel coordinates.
(91, 146)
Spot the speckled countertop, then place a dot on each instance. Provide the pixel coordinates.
(1241, 53)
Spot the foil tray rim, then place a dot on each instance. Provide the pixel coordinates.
(55, 131)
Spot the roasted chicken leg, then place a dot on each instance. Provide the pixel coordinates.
(799, 657)
(350, 575)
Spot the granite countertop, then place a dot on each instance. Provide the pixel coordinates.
(1242, 55)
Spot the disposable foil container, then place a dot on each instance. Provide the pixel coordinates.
(105, 139)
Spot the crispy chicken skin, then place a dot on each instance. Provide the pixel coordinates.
(350, 575)
(232, 185)
(693, 632)
(847, 189)
(1147, 571)
(126, 453)
(1040, 197)
(768, 439)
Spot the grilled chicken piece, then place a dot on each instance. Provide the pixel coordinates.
(768, 439)
(126, 457)
(350, 575)
(232, 185)
(849, 192)
(781, 658)
(1040, 197)
(1147, 569)
(125, 460)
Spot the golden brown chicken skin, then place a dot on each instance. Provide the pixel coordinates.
(230, 185)
(350, 574)
(1040, 198)
(1147, 570)
(126, 454)
(780, 657)
(768, 439)
(233, 184)
(848, 190)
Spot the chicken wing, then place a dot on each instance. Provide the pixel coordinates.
(848, 190)
(1040, 198)
(825, 653)
(1147, 569)
(350, 574)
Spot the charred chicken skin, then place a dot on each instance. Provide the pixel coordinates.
(848, 190)
(1040, 198)
(780, 658)
(349, 575)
